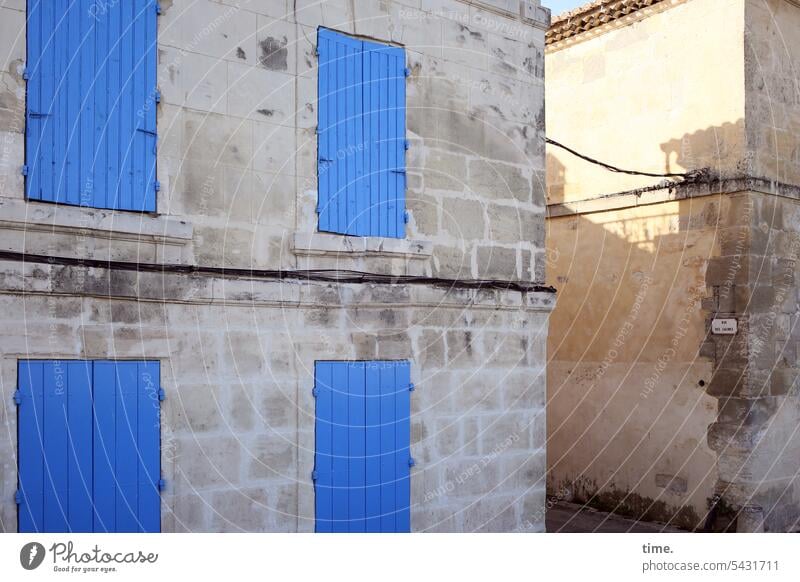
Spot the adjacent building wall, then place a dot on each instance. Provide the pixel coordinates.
(237, 165)
(661, 91)
(757, 436)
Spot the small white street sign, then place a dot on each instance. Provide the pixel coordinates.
(724, 326)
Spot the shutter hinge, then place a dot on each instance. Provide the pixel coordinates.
(315, 392)
(411, 462)
(161, 395)
(18, 497)
(157, 185)
(328, 160)
(411, 387)
(408, 72)
(398, 171)
(25, 75)
(157, 96)
(158, 8)
(25, 170)
(162, 484)
(406, 144)
(314, 475)
(17, 397)
(318, 209)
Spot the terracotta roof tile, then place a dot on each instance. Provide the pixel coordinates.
(591, 16)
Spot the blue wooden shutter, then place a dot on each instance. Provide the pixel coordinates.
(126, 446)
(89, 446)
(362, 454)
(91, 119)
(55, 446)
(361, 141)
(385, 119)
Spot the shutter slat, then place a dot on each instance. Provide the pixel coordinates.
(357, 445)
(33, 126)
(149, 156)
(126, 471)
(402, 398)
(373, 448)
(79, 412)
(101, 121)
(104, 393)
(125, 109)
(373, 143)
(149, 446)
(324, 136)
(388, 448)
(71, 90)
(31, 451)
(88, 79)
(322, 434)
(61, 46)
(55, 444)
(340, 449)
(48, 110)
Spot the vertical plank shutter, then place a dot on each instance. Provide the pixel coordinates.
(90, 123)
(361, 141)
(361, 473)
(89, 446)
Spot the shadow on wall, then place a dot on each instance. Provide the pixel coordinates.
(628, 407)
(721, 147)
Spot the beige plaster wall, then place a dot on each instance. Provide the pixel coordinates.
(627, 410)
(662, 94)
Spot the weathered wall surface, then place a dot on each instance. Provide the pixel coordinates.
(756, 435)
(237, 157)
(237, 361)
(237, 163)
(627, 411)
(755, 280)
(628, 96)
(772, 54)
(738, 259)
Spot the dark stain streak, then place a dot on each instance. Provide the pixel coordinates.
(266, 112)
(240, 53)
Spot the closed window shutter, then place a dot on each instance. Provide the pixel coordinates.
(362, 455)
(361, 142)
(89, 446)
(91, 124)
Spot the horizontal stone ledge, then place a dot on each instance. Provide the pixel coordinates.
(47, 279)
(661, 194)
(333, 245)
(45, 217)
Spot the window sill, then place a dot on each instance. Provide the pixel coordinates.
(324, 244)
(60, 218)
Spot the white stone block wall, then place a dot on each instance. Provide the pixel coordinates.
(237, 166)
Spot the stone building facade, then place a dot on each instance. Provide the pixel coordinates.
(232, 289)
(677, 420)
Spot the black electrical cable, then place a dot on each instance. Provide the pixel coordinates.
(691, 176)
(319, 275)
